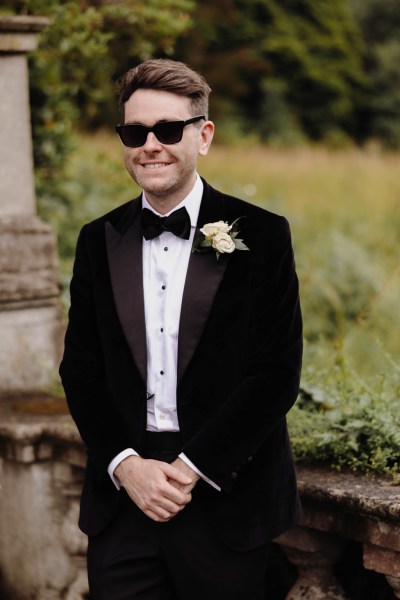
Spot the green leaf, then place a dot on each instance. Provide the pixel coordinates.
(239, 245)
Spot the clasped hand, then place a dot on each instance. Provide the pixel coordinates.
(159, 489)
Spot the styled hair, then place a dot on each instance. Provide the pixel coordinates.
(167, 76)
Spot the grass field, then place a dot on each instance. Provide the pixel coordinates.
(344, 210)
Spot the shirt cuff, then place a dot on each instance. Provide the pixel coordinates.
(116, 461)
(196, 470)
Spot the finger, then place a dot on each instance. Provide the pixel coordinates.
(156, 517)
(167, 499)
(173, 493)
(164, 511)
(174, 473)
(186, 489)
(164, 491)
(161, 506)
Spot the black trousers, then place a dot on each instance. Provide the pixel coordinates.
(136, 558)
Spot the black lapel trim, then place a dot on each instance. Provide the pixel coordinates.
(126, 271)
(203, 279)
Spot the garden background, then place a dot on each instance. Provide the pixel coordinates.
(306, 100)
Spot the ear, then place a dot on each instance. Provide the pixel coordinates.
(206, 136)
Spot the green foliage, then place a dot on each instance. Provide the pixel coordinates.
(81, 53)
(302, 58)
(344, 420)
(380, 106)
(339, 278)
(67, 76)
(318, 50)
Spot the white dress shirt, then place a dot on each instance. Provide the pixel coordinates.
(165, 263)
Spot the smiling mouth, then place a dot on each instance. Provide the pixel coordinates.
(154, 165)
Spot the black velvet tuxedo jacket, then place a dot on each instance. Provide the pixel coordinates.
(239, 357)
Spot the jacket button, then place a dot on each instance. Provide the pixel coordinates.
(233, 475)
(249, 459)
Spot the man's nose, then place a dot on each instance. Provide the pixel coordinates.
(152, 143)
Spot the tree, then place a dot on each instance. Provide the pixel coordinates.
(301, 56)
(380, 109)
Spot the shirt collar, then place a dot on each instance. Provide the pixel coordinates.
(191, 202)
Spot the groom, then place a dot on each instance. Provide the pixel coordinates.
(182, 358)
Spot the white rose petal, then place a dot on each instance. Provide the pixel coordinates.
(211, 229)
(223, 243)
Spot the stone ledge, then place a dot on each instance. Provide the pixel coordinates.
(354, 493)
(18, 34)
(339, 507)
(38, 429)
(23, 23)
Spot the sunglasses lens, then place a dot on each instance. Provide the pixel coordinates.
(169, 132)
(132, 136)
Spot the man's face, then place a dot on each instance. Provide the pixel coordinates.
(165, 172)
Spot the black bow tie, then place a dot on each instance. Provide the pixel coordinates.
(178, 223)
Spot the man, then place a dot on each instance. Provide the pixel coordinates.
(182, 357)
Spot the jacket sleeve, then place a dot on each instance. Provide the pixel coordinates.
(82, 369)
(271, 372)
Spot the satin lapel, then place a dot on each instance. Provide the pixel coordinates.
(125, 261)
(203, 279)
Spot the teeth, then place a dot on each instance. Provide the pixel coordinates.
(154, 165)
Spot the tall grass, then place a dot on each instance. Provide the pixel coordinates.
(344, 210)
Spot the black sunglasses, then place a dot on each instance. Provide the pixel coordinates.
(134, 135)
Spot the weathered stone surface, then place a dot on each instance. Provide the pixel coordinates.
(360, 508)
(17, 196)
(28, 261)
(30, 349)
(23, 23)
(312, 541)
(394, 583)
(374, 496)
(339, 507)
(18, 33)
(42, 551)
(381, 560)
(30, 315)
(314, 553)
(38, 420)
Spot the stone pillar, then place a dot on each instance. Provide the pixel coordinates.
(30, 317)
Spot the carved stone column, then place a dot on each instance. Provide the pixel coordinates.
(30, 318)
(314, 553)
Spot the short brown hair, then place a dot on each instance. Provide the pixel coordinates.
(168, 76)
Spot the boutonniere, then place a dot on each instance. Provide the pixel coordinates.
(220, 237)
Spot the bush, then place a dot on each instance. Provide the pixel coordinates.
(344, 420)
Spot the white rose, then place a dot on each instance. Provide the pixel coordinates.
(211, 229)
(222, 242)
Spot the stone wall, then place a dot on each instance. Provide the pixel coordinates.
(339, 508)
(42, 551)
